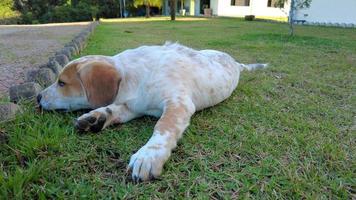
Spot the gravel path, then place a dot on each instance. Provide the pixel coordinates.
(24, 47)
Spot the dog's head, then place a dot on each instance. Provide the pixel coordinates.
(82, 84)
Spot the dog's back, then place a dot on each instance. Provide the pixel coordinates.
(207, 76)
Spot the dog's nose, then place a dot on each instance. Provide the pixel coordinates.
(39, 97)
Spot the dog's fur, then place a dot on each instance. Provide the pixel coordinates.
(169, 81)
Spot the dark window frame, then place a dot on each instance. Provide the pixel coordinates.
(246, 3)
(272, 4)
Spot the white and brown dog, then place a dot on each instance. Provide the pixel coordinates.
(170, 82)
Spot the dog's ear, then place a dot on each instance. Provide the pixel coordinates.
(100, 81)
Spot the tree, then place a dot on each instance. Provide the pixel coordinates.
(294, 5)
(148, 4)
(172, 7)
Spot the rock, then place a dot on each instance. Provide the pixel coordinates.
(79, 38)
(86, 33)
(8, 111)
(30, 75)
(43, 76)
(79, 41)
(65, 52)
(61, 59)
(72, 50)
(75, 46)
(53, 65)
(24, 91)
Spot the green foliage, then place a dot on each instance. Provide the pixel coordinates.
(303, 3)
(55, 11)
(297, 4)
(45, 11)
(67, 13)
(151, 3)
(7, 14)
(108, 8)
(37, 7)
(27, 18)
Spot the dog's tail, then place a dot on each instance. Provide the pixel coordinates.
(252, 67)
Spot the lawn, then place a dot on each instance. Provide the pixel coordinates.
(287, 132)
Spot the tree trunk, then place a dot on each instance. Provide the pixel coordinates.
(124, 8)
(173, 9)
(147, 10)
(120, 9)
(291, 17)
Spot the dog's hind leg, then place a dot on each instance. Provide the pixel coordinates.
(98, 119)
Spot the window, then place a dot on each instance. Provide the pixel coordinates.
(274, 3)
(240, 2)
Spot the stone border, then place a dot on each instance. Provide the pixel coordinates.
(45, 75)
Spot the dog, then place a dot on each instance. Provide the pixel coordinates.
(170, 82)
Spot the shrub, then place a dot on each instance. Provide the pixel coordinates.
(249, 17)
(27, 18)
(44, 11)
(7, 14)
(67, 13)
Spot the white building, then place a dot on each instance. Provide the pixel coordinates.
(323, 11)
(329, 11)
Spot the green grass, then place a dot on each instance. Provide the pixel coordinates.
(287, 132)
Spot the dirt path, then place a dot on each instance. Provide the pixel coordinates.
(24, 47)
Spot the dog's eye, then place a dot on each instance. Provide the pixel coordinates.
(61, 83)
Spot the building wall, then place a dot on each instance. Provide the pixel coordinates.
(196, 7)
(257, 7)
(322, 11)
(329, 11)
(165, 8)
(214, 5)
(191, 6)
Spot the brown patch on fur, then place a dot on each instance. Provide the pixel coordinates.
(100, 81)
(172, 119)
(72, 85)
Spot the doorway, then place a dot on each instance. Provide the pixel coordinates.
(204, 4)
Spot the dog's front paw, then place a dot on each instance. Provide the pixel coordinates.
(147, 163)
(93, 121)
